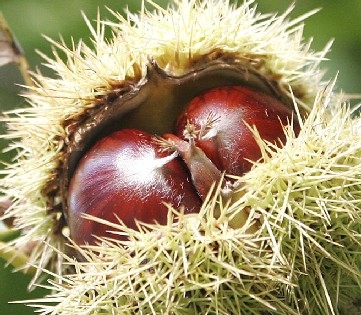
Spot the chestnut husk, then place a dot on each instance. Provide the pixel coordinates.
(304, 255)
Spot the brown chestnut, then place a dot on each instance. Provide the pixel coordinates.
(126, 176)
(221, 120)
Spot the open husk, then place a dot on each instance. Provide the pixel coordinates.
(304, 198)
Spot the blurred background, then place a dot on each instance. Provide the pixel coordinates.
(31, 19)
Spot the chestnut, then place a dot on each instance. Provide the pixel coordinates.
(126, 176)
(220, 121)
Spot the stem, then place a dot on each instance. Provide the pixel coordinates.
(13, 53)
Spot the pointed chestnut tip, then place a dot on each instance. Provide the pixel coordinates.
(203, 172)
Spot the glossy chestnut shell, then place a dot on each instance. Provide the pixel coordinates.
(125, 123)
(125, 175)
(229, 141)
